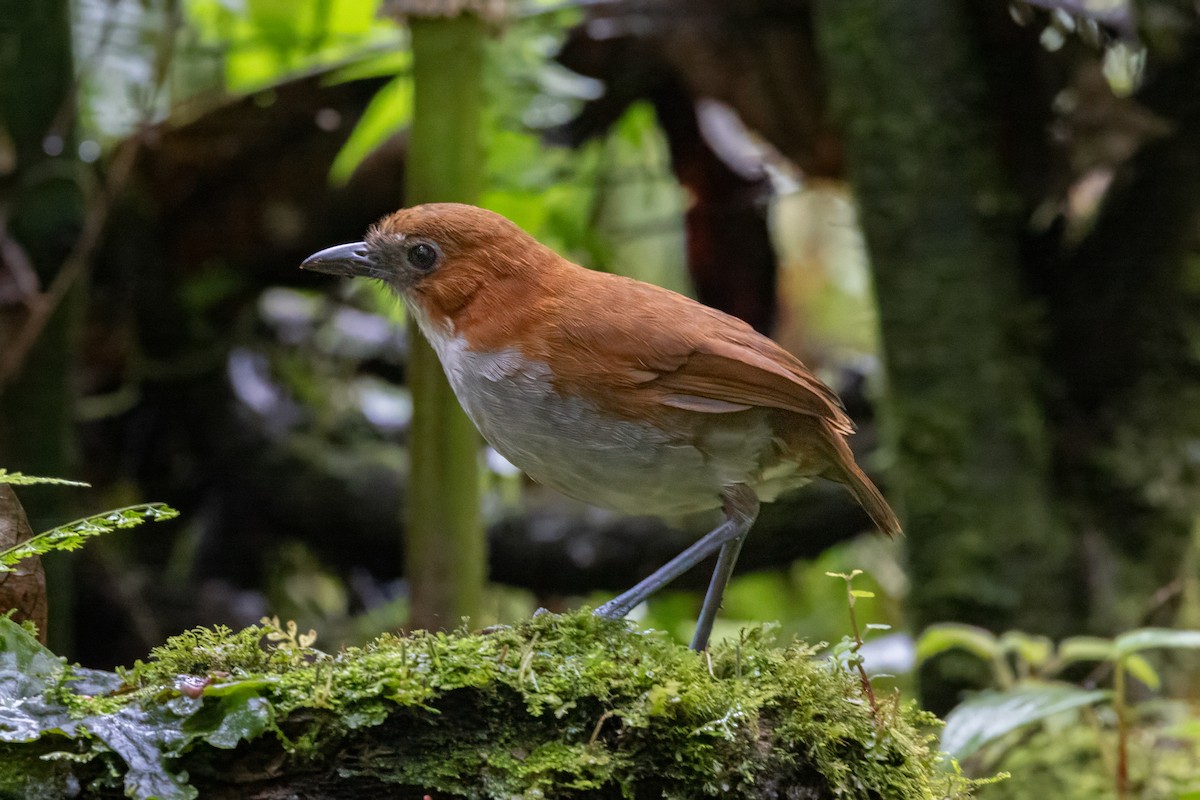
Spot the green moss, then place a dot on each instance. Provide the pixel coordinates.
(201, 651)
(558, 706)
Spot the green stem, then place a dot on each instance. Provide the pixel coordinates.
(1122, 777)
(868, 689)
(445, 548)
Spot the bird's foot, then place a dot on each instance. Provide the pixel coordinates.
(613, 609)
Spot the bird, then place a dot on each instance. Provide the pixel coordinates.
(616, 392)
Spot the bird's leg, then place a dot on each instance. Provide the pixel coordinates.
(716, 591)
(741, 507)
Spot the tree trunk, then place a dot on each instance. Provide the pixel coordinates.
(444, 543)
(986, 545)
(24, 588)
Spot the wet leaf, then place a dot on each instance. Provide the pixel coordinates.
(145, 739)
(988, 716)
(26, 668)
(146, 736)
(243, 715)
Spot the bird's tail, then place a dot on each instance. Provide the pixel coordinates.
(870, 498)
(845, 471)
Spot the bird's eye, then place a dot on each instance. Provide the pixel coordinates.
(422, 256)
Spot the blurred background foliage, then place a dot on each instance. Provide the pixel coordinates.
(218, 142)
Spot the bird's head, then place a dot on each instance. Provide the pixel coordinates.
(437, 256)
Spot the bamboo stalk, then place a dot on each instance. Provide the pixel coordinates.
(444, 539)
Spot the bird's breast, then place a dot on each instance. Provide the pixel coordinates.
(571, 444)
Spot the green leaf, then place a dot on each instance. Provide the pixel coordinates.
(240, 687)
(22, 652)
(17, 479)
(937, 639)
(147, 738)
(1033, 650)
(846, 576)
(1086, 648)
(93, 682)
(1155, 639)
(266, 40)
(144, 739)
(386, 64)
(75, 534)
(26, 669)
(29, 709)
(1185, 729)
(235, 715)
(389, 111)
(1141, 669)
(988, 716)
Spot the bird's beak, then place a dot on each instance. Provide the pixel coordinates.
(347, 260)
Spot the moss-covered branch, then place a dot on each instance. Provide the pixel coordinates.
(570, 706)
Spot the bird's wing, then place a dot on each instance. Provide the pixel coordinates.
(689, 356)
(749, 373)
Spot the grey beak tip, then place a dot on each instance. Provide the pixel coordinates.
(343, 259)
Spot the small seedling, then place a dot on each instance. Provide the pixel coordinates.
(855, 652)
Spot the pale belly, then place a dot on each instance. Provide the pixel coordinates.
(635, 468)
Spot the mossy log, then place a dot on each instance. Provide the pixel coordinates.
(558, 706)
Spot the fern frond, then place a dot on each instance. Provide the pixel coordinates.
(73, 535)
(17, 479)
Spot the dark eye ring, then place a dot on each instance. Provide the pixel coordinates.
(422, 256)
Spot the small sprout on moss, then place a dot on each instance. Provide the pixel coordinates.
(288, 636)
(846, 576)
(525, 671)
(433, 655)
(854, 657)
(288, 644)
